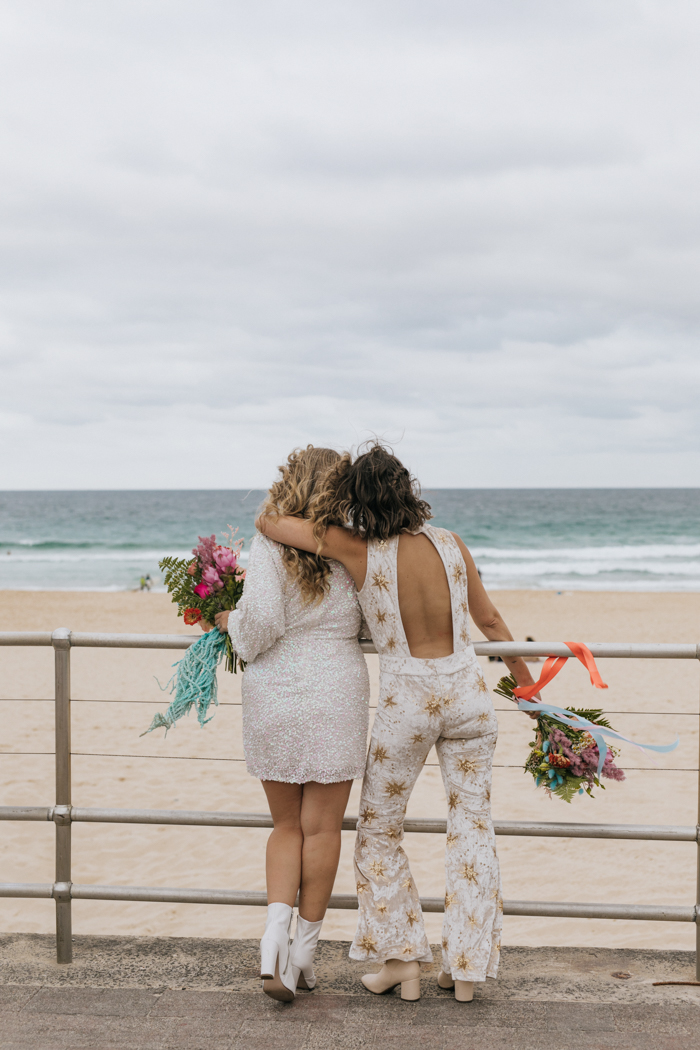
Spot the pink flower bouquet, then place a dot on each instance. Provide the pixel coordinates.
(211, 583)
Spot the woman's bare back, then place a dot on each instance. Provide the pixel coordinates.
(424, 598)
(424, 601)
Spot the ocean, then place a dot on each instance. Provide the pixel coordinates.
(554, 539)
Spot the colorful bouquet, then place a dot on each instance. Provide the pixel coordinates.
(212, 583)
(570, 753)
(564, 759)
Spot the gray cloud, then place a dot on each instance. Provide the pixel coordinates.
(228, 229)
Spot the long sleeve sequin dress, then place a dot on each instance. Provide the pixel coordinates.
(305, 689)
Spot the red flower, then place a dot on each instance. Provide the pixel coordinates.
(192, 616)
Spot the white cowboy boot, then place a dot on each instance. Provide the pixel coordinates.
(301, 953)
(393, 972)
(275, 971)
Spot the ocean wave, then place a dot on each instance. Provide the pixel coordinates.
(104, 555)
(136, 554)
(567, 583)
(591, 568)
(68, 545)
(623, 552)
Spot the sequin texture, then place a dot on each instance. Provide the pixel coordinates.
(305, 690)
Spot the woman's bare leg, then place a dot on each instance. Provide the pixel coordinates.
(322, 811)
(304, 847)
(283, 858)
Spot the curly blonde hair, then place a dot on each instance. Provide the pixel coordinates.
(302, 476)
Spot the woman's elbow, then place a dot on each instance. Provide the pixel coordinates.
(491, 623)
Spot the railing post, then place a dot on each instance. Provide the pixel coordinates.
(60, 639)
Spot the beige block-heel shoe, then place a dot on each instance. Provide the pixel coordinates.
(464, 990)
(393, 972)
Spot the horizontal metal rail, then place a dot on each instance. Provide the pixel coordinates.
(414, 825)
(601, 650)
(341, 901)
(26, 889)
(64, 814)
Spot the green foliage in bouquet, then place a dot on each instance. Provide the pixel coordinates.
(207, 584)
(562, 759)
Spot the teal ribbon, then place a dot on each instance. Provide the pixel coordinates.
(560, 714)
(194, 682)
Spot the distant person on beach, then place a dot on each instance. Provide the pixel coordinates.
(305, 696)
(145, 583)
(416, 584)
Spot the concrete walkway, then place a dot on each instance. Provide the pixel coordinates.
(144, 993)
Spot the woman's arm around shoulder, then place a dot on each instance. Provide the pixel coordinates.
(338, 544)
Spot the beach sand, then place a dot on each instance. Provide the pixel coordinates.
(116, 696)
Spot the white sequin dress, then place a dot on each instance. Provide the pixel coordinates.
(305, 690)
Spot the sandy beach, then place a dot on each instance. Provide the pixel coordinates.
(116, 694)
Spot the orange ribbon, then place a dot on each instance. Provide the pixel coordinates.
(554, 664)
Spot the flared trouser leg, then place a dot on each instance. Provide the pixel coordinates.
(473, 898)
(454, 713)
(390, 921)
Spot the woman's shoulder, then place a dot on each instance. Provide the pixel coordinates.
(266, 552)
(438, 534)
(261, 542)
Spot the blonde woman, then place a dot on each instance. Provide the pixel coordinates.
(305, 718)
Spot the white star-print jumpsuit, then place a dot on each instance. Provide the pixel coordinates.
(442, 702)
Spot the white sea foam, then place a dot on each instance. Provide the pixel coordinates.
(652, 567)
(96, 555)
(623, 552)
(590, 568)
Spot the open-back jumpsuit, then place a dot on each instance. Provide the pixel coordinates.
(442, 702)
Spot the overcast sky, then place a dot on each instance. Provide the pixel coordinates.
(229, 228)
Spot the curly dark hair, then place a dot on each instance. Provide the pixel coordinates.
(374, 496)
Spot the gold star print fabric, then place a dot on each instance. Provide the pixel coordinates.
(445, 703)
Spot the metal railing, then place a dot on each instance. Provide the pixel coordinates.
(63, 814)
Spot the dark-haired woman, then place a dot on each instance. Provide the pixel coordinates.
(416, 585)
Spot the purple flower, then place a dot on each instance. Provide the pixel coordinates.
(585, 764)
(613, 772)
(610, 770)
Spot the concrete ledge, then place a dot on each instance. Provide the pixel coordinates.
(531, 974)
(148, 993)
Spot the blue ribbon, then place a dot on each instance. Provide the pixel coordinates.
(561, 714)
